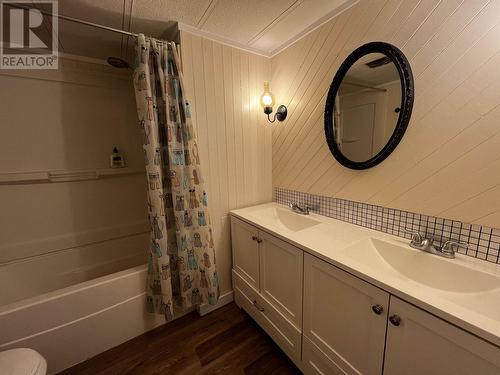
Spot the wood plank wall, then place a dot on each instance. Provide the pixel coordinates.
(224, 85)
(448, 163)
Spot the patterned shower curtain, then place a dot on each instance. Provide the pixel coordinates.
(181, 263)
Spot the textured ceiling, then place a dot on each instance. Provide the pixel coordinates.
(263, 26)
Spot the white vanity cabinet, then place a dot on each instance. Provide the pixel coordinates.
(329, 321)
(420, 343)
(344, 321)
(267, 280)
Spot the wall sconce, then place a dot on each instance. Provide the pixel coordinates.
(267, 101)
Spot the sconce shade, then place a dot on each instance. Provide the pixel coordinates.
(267, 102)
(267, 98)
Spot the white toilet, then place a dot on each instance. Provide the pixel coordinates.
(22, 361)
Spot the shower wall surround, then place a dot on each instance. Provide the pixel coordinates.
(70, 119)
(448, 161)
(484, 242)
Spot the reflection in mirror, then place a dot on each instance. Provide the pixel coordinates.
(367, 107)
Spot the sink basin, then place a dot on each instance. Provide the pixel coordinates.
(423, 268)
(286, 219)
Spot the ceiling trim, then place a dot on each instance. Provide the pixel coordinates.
(223, 40)
(220, 39)
(320, 22)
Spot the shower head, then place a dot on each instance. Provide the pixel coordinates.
(118, 63)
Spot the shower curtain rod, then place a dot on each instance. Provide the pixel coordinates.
(77, 20)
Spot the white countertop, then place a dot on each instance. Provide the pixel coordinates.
(473, 308)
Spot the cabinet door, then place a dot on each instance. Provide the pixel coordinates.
(424, 344)
(344, 317)
(281, 269)
(245, 251)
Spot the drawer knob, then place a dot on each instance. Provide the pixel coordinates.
(395, 320)
(254, 238)
(377, 309)
(259, 240)
(261, 309)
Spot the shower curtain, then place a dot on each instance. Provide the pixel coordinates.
(181, 263)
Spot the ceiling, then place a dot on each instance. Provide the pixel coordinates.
(262, 26)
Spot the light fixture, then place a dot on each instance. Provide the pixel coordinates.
(267, 101)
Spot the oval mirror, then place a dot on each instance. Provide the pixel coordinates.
(369, 105)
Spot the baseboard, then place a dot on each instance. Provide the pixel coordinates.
(224, 299)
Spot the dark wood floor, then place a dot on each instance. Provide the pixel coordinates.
(226, 341)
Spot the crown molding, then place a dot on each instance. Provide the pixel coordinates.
(220, 39)
(315, 25)
(269, 54)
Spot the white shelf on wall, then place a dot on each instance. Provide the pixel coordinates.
(39, 177)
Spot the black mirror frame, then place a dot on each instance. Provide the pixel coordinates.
(407, 97)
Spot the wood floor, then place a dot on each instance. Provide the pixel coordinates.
(226, 341)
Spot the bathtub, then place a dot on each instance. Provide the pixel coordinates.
(87, 303)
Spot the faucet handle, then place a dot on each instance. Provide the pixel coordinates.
(302, 209)
(416, 236)
(452, 246)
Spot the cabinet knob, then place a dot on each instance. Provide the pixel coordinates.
(255, 238)
(395, 320)
(377, 309)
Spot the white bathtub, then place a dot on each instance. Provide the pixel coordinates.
(46, 304)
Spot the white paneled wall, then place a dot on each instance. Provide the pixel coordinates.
(224, 85)
(449, 160)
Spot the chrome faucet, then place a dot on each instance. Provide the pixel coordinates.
(447, 250)
(419, 241)
(450, 247)
(303, 210)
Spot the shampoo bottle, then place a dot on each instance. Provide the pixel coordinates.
(116, 159)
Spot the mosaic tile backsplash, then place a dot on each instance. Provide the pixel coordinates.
(484, 242)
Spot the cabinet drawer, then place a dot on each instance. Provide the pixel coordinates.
(283, 332)
(315, 362)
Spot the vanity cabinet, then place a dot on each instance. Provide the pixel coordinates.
(420, 343)
(331, 322)
(344, 321)
(267, 280)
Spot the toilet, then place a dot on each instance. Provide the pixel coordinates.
(22, 361)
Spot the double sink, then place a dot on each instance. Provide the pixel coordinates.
(464, 290)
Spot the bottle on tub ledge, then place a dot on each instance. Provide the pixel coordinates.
(116, 159)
